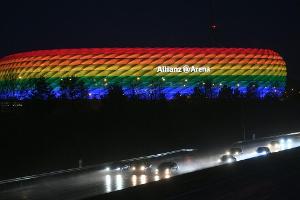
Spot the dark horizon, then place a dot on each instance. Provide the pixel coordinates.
(32, 25)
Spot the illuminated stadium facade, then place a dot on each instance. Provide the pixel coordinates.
(141, 71)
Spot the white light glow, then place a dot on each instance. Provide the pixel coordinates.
(108, 183)
(119, 182)
(167, 171)
(143, 179)
(134, 180)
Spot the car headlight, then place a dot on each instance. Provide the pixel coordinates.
(156, 171)
(133, 168)
(229, 160)
(219, 160)
(289, 140)
(107, 169)
(236, 153)
(142, 168)
(167, 171)
(118, 169)
(281, 141)
(227, 153)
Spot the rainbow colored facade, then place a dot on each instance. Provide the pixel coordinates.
(142, 70)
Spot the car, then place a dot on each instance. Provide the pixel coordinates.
(117, 167)
(166, 168)
(234, 151)
(263, 150)
(227, 159)
(275, 143)
(140, 167)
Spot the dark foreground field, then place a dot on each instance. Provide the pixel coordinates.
(262, 178)
(46, 136)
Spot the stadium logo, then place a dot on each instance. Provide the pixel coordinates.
(185, 69)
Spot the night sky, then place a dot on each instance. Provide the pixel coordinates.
(273, 24)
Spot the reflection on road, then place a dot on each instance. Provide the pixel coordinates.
(134, 180)
(108, 183)
(143, 179)
(120, 181)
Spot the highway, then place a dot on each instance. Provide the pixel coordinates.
(90, 181)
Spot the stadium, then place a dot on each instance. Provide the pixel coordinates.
(144, 71)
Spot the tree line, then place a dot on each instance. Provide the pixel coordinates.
(13, 87)
(74, 88)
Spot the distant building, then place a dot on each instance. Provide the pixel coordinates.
(146, 71)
